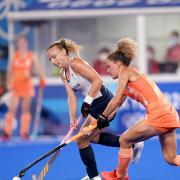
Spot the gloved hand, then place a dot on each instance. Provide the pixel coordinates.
(42, 83)
(85, 109)
(102, 121)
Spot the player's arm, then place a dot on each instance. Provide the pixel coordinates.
(84, 69)
(115, 102)
(9, 75)
(114, 112)
(118, 97)
(72, 100)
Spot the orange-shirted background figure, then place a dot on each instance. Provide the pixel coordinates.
(19, 81)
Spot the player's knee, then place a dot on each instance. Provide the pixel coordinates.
(123, 140)
(94, 139)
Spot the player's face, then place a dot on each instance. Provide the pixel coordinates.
(57, 56)
(22, 43)
(112, 69)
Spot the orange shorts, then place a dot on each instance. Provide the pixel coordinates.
(162, 116)
(163, 130)
(23, 89)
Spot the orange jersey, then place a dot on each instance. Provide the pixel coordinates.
(160, 113)
(21, 68)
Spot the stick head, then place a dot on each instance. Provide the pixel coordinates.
(21, 174)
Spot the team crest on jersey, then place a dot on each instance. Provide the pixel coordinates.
(76, 87)
(130, 90)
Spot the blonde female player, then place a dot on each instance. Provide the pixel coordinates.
(19, 81)
(161, 119)
(78, 75)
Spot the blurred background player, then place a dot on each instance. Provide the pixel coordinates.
(99, 63)
(153, 64)
(172, 54)
(78, 75)
(173, 51)
(161, 119)
(19, 82)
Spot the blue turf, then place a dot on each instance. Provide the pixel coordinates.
(68, 166)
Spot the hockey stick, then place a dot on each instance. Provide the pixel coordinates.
(51, 160)
(38, 113)
(73, 138)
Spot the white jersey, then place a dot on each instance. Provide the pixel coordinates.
(79, 83)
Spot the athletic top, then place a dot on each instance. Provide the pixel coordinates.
(160, 112)
(22, 66)
(143, 90)
(79, 83)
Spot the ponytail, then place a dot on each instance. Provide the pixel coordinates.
(67, 44)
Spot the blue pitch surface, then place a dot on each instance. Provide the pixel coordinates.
(16, 154)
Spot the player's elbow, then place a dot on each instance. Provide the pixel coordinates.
(99, 83)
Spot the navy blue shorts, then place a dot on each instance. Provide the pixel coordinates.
(99, 105)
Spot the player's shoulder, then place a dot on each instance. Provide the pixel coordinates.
(77, 62)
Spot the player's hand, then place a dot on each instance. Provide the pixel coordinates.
(85, 109)
(102, 121)
(85, 131)
(73, 124)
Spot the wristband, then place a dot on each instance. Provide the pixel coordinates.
(88, 99)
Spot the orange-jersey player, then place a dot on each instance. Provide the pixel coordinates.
(161, 118)
(19, 81)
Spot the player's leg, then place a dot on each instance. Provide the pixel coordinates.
(9, 117)
(168, 145)
(25, 117)
(139, 132)
(86, 151)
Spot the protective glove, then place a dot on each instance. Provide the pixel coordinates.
(85, 109)
(102, 121)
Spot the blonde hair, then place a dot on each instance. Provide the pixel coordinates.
(128, 47)
(67, 44)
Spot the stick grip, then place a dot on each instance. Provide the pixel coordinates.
(74, 138)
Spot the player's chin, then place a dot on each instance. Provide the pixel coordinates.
(58, 66)
(113, 77)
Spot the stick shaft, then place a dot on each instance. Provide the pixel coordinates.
(41, 158)
(51, 160)
(38, 112)
(73, 138)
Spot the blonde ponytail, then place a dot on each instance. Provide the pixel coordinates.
(72, 46)
(67, 44)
